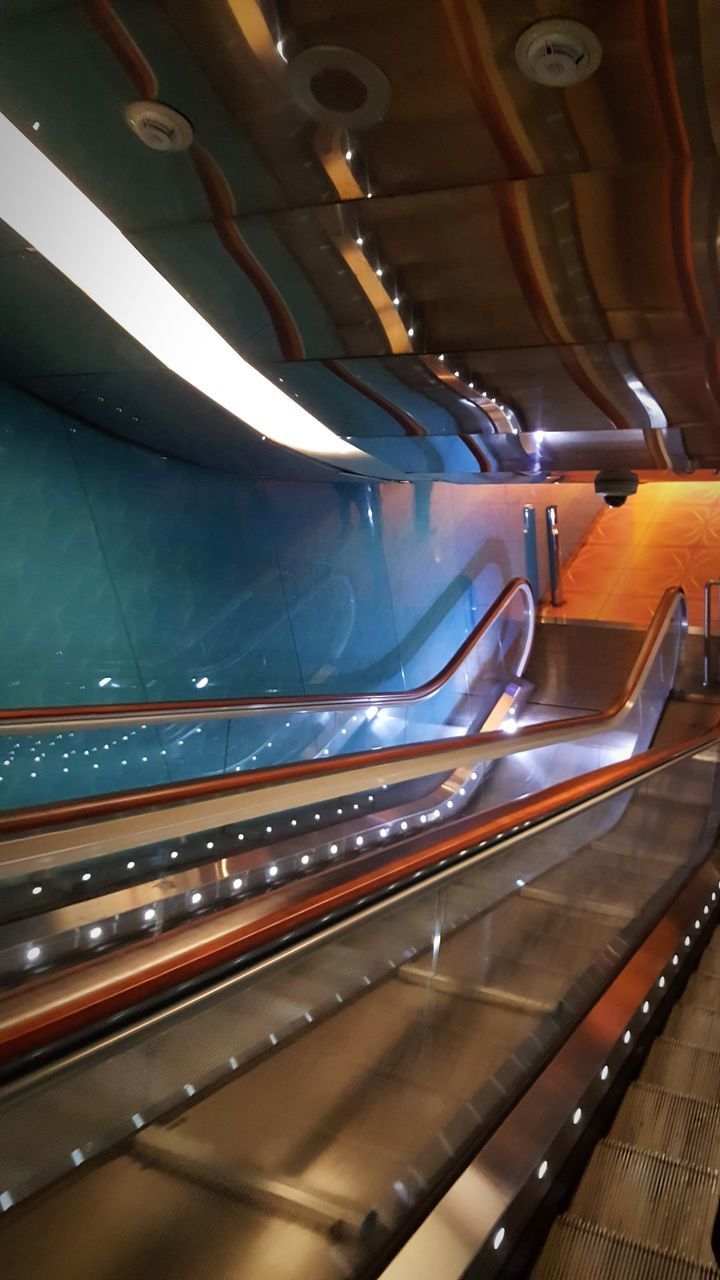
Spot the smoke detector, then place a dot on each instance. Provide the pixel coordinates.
(339, 86)
(558, 52)
(160, 127)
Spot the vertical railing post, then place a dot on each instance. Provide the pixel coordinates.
(553, 545)
(713, 582)
(532, 572)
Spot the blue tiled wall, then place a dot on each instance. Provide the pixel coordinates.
(125, 576)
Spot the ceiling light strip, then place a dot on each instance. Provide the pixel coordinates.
(44, 207)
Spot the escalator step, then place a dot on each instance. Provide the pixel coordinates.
(709, 965)
(578, 1250)
(683, 1068)
(617, 913)
(695, 1025)
(651, 1199)
(681, 1128)
(705, 990)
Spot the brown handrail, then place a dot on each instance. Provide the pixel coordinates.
(35, 1017)
(98, 715)
(486, 745)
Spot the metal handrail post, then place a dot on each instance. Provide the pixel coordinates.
(712, 582)
(553, 545)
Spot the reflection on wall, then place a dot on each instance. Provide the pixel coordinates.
(131, 576)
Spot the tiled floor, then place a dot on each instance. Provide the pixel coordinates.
(668, 535)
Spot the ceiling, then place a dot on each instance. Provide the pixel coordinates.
(553, 252)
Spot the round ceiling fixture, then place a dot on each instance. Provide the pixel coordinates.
(339, 86)
(160, 127)
(558, 52)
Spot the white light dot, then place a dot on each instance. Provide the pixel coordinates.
(174, 854)
(358, 840)
(272, 871)
(36, 125)
(145, 759)
(105, 681)
(37, 889)
(675, 960)
(520, 884)
(396, 301)
(96, 932)
(697, 924)
(210, 845)
(542, 1169)
(333, 848)
(646, 1007)
(378, 271)
(626, 1038)
(403, 826)
(241, 836)
(237, 883)
(86, 875)
(605, 1073)
(195, 898)
(661, 982)
(32, 953)
(130, 866)
(411, 332)
(423, 817)
(384, 831)
(149, 914)
(317, 817)
(577, 1116)
(348, 155)
(498, 1238)
(339, 810)
(305, 859)
(359, 240)
(687, 942)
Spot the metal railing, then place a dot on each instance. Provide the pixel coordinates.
(175, 809)
(105, 716)
(37, 1017)
(710, 585)
(552, 529)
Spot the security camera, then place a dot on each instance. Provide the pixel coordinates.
(616, 486)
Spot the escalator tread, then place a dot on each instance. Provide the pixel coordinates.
(576, 1248)
(650, 1198)
(647, 1201)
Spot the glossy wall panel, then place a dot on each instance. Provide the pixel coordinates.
(118, 562)
(61, 626)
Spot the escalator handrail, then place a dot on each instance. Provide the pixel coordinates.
(109, 715)
(203, 803)
(31, 1020)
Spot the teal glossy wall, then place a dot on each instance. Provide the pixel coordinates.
(117, 563)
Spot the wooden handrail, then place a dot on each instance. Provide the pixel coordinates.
(100, 716)
(271, 786)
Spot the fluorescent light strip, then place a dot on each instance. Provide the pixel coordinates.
(51, 213)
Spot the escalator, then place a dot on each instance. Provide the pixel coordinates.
(397, 1087)
(212, 871)
(314, 1114)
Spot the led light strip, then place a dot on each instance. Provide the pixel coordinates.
(44, 207)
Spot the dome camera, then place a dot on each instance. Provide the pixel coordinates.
(616, 486)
